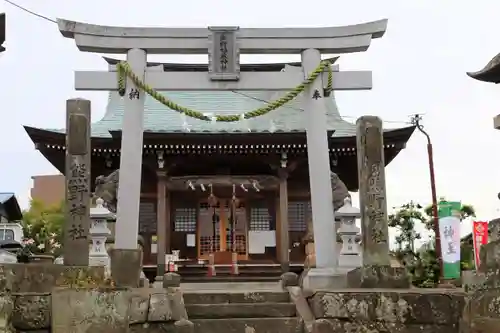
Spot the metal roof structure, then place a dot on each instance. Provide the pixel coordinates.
(9, 203)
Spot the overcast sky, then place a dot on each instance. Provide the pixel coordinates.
(418, 67)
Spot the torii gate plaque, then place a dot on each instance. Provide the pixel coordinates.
(224, 46)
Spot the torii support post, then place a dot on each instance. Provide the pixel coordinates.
(325, 239)
(224, 46)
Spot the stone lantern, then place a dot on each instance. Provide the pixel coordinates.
(348, 232)
(98, 233)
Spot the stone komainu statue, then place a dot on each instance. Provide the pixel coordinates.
(106, 188)
(339, 193)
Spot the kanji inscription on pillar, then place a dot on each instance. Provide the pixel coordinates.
(223, 54)
(77, 172)
(372, 192)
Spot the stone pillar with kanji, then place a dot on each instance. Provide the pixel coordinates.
(376, 271)
(77, 172)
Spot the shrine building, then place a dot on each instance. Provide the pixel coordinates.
(192, 170)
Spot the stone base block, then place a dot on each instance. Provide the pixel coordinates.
(323, 278)
(126, 267)
(40, 278)
(171, 280)
(472, 280)
(399, 310)
(99, 310)
(374, 276)
(350, 262)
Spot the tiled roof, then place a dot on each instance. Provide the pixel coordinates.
(158, 118)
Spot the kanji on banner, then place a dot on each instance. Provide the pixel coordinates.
(449, 231)
(479, 238)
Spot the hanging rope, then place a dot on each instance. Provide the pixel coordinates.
(124, 71)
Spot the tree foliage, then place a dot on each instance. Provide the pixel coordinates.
(466, 211)
(42, 227)
(422, 265)
(422, 262)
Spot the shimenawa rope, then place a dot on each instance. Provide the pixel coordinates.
(124, 71)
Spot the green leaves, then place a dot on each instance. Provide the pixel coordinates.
(422, 262)
(44, 224)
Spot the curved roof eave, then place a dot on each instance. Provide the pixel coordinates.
(56, 137)
(53, 136)
(490, 72)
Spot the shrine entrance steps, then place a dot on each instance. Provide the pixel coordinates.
(223, 273)
(229, 308)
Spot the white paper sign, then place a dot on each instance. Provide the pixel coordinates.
(258, 240)
(190, 240)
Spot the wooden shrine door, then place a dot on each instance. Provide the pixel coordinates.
(239, 225)
(215, 231)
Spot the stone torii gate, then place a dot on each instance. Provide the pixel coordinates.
(224, 46)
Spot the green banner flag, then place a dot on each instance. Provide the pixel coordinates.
(449, 232)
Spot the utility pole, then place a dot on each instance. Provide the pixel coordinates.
(2, 31)
(415, 120)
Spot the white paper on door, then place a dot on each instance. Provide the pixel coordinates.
(190, 240)
(258, 240)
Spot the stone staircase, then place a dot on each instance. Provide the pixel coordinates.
(247, 273)
(242, 311)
